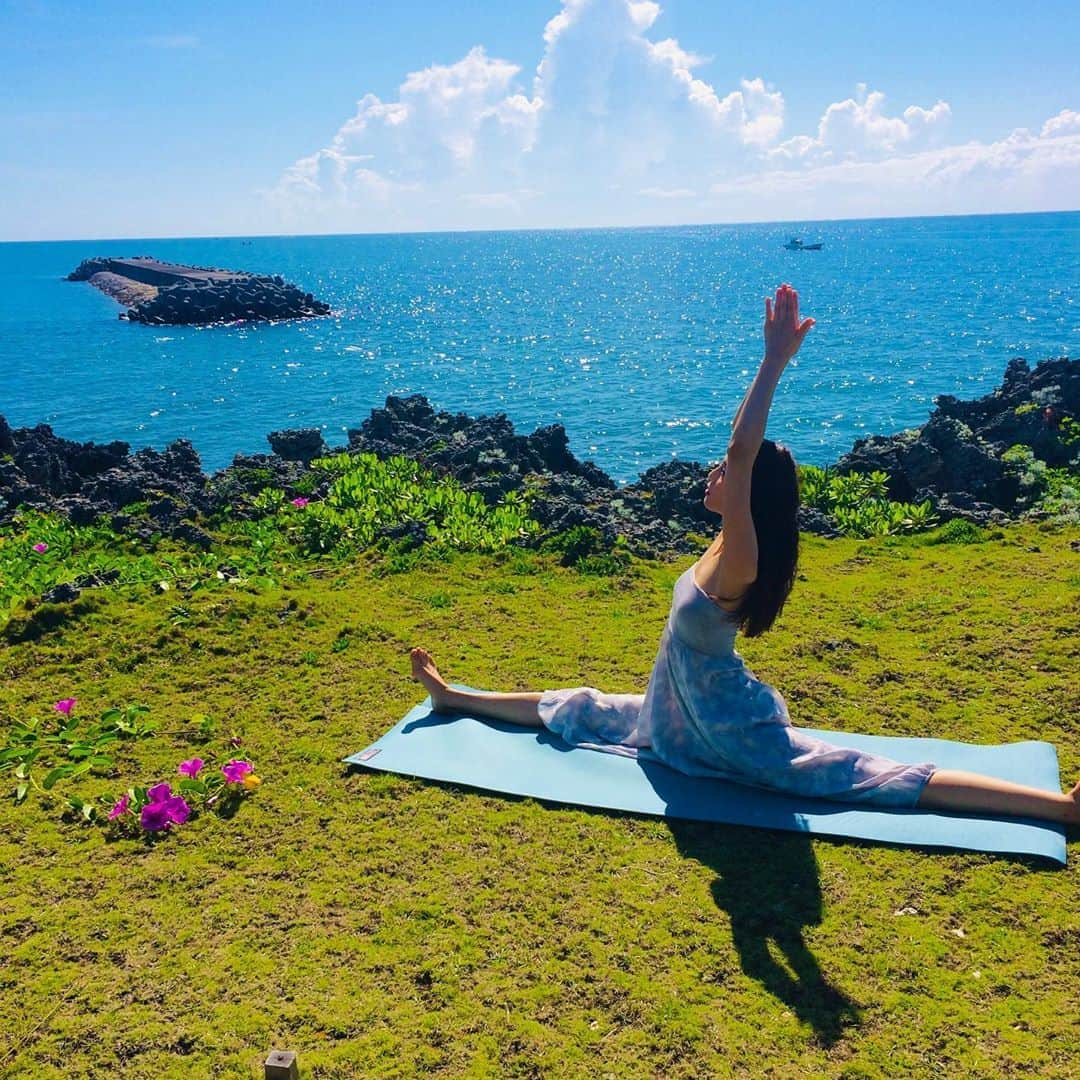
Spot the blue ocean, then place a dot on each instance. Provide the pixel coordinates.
(640, 341)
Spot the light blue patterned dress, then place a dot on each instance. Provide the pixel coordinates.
(705, 714)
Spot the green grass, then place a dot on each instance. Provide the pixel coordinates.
(384, 926)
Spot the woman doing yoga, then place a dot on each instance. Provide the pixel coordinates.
(704, 713)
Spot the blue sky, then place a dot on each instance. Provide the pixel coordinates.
(214, 118)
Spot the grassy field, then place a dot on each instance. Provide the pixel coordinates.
(383, 926)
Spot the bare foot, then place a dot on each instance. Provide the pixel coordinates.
(1074, 817)
(424, 671)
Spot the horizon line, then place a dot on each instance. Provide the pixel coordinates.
(537, 228)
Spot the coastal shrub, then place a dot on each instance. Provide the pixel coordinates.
(307, 484)
(371, 502)
(574, 543)
(859, 504)
(1053, 492)
(609, 564)
(958, 531)
(39, 551)
(583, 548)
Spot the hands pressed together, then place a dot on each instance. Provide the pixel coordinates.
(784, 332)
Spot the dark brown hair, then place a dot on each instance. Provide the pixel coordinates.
(774, 506)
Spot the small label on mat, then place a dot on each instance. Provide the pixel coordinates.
(367, 755)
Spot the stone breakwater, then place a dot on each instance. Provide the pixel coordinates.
(954, 460)
(162, 294)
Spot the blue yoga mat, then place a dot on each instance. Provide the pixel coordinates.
(497, 756)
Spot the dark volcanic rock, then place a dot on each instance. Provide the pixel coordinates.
(60, 594)
(954, 459)
(78, 509)
(485, 455)
(468, 448)
(188, 533)
(7, 442)
(678, 490)
(231, 488)
(944, 455)
(409, 534)
(960, 504)
(301, 444)
(84, 480)
(1027, 408)
(814, 521)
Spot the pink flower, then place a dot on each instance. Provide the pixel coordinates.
(179, 811)
(191, 768)
(120, 808)
(65, 705)
(154, 817)
(163, 809)
(300, 502)
(235, 771)
(41, 547)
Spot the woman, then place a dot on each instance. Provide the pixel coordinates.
(703, 711)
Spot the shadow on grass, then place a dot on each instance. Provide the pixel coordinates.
(766, 881)
(768, 884)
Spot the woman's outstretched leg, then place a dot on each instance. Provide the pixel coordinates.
(519, 708)
(972, 793)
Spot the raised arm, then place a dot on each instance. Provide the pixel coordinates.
(784, 333)
(730, 564)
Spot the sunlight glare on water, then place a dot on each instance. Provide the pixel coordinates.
(640, 341)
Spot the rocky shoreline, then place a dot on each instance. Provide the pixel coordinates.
(954, 460)
(169, 294)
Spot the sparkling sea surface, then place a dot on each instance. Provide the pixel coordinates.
(640, 341)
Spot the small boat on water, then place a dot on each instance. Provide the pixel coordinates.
(795, 244)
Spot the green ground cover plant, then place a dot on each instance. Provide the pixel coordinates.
(366, 495)
(270, 534)
(383, 926)
(859, 505)
(1055, 491)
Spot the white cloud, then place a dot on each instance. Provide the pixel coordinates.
(678, 57)
(643, 13)
(1067, 122)
(859, 127)
(1020, 172)
(667, 193)
(606, 103)
(611, 117)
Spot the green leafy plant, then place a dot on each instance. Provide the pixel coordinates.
(583, 548)
(369, 497)
(958, 531)
(1049, 491)
(67, 746)
(859, 504)
(38, 551)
